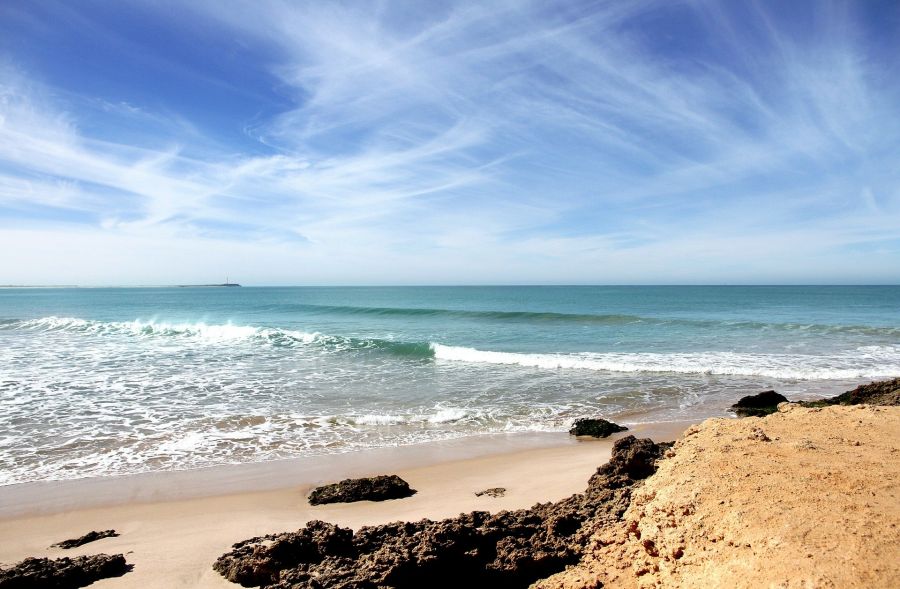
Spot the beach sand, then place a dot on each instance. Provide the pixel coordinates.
(806, 497)
(174, 525)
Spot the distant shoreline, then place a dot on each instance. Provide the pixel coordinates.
(226, 285)
(12, 286)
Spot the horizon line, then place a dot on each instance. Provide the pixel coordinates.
(449, 285)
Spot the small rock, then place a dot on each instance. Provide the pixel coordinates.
(758, 405)
(492, 492)
(598, 428)
(378, 488)
(89, 537)
(693, 430)
(41, 573)
(759, 434)
(805, 445)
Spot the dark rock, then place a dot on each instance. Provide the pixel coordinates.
(89, 537)
(41, 573)
(503, 550)
(885, 392)
(598, 428)
(378, 488)
(492, 492)
(632, 460)
(759, 404)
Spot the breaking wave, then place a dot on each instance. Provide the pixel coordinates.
(203, 333)
(868, 361)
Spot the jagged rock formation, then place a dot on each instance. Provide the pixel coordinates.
(43, 573)
(758, 405)
(885, 392)
(89, 537)
(380, 488)
(507, 549)
(598, 428)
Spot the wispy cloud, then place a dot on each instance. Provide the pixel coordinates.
(505, 141)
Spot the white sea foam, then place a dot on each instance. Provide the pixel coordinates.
(872, 362)
(200, 331)
(155, 395)
(864, 362)
(447, 415)
(437, 416)
(380, 419)
(188, 443)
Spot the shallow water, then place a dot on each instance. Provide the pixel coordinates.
(110, 381)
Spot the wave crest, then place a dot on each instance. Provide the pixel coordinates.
(863, 362)
(868, 362)
(202, 333)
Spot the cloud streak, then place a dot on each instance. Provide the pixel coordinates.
(500, 142)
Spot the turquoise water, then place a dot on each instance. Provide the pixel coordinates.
(109, 381)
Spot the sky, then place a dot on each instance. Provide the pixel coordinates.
(489, 142)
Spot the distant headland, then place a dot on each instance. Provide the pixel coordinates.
(225, 284)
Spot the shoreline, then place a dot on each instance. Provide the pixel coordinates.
(173, 539)
(50, 497)
(734, 501)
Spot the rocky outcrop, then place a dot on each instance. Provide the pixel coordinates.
(507, 549)
(758, 405)
(885, 392)
(89, 537)
(597, 428)
(43, 573)
(380, 488)
(744, 504)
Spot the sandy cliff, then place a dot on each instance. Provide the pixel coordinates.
(806, 497)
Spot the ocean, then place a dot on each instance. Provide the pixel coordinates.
(108, 381)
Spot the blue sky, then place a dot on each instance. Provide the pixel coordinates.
(439, 142)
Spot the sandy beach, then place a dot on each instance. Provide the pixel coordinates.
(300, 294)
(804, 497)
(173, 539)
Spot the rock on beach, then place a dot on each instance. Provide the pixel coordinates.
(597, 428)
(379, 488)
